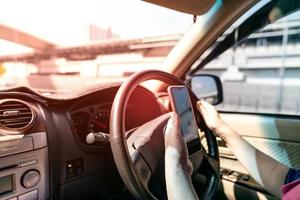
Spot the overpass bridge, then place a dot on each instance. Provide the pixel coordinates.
(158, 46)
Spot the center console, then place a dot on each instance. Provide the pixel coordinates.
(24, 172)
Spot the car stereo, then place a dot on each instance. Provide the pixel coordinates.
(24, 168)
(6, 184)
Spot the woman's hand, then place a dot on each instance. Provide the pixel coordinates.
(176, 156)
(178, 167)
(211, 117)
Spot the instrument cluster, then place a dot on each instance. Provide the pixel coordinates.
(90, 116)
(92, 119)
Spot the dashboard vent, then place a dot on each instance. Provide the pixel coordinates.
(15, 115)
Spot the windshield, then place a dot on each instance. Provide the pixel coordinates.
(64, 45)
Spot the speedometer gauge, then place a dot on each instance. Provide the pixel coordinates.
(80, 122)
(99, 122)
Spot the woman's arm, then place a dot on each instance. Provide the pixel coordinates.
(265, 170)
(178, 168)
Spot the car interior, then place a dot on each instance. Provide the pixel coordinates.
(107, 141)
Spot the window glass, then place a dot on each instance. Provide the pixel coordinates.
(262, 74)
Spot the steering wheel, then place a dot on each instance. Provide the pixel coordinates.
(139, 153)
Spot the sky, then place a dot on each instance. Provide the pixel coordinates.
(65, 22)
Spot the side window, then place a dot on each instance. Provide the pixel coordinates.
(262, 74)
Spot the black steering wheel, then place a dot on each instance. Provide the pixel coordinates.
(139, 153)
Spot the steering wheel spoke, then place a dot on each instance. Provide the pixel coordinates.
(142, 168)
(209, 165)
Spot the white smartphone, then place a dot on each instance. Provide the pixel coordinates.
(181, 104)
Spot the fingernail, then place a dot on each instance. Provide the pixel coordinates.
(169, 124)
(171, 120)
(172, 117)
(165, 129)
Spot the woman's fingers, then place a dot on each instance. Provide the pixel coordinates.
(172, 128)
(201, 108)
(209, 113)
(211, 116)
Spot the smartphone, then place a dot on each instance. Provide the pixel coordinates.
(181, 104)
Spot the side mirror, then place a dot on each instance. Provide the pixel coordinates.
(207, 87)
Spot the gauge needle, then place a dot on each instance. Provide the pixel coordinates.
(99, 124)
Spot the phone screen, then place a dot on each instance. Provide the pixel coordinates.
(181, 104)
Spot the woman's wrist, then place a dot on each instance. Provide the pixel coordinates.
(173, 170)
(179, 183)
(224, 131)
(174, 163)
(176, 172)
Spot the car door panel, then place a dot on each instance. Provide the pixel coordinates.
(232, 191)
(264, 126)
(274, 135)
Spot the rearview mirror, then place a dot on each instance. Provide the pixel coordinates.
(194, 7)
(207, 87)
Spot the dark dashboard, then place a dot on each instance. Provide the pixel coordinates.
(67, 166)
(92, 114)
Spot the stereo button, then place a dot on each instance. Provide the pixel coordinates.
(30, 178)
(33, 195)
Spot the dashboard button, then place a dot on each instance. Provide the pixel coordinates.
(33, 195)
(74, 168)
(30, 162)
(30, 178)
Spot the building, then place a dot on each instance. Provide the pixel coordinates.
(262, 73)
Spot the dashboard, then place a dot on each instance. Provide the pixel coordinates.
(51, 158)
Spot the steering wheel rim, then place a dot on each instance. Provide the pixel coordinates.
(118, 142)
